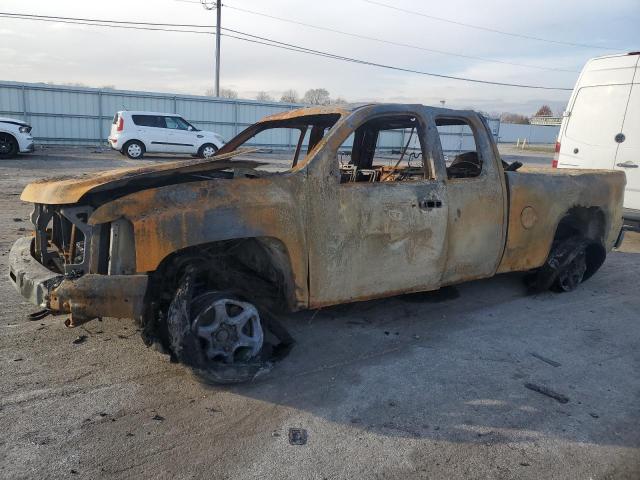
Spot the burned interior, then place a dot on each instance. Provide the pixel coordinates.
(363, 160)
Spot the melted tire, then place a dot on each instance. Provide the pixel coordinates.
(564, 269)
(186, 347)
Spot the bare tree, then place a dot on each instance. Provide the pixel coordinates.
(507, 117)
(224, 93)
(264, 97)
(544, 111)
(338, 101)
(289, 96)
(70, 84)
(316, 96)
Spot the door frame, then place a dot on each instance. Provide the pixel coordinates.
(338, 250)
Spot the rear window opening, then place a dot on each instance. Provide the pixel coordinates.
(459, 148)
(264, 141)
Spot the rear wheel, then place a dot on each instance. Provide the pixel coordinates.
(572, 274)
(8, 145)
(570, 262)
(133, 149)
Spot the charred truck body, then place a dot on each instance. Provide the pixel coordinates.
(202, 252)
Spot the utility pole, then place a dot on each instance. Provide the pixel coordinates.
(219, 20)
(210, 5)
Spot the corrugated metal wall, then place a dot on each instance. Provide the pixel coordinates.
(80, 116)
(83, 116)
(511, 132)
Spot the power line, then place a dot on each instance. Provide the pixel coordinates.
(486, 29)
(288, 46)
(51, 17)
(390, 42)
(269, 42)
(103, 24)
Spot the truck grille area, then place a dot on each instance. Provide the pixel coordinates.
(64, 239)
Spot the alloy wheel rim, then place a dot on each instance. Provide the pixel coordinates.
(228, 329)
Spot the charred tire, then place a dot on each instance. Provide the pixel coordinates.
(570, 262)
(134, 149)
(572, 274)
(207, 150)
(8, 146)
(217, 334)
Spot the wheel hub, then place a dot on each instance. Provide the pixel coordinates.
(134, 150)
(5, 146)
(572, 275)
(228, 329)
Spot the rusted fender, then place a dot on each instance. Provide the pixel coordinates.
(541, 197)
(170, 218)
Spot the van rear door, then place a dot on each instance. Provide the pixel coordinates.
(595, 119)
(628, 154)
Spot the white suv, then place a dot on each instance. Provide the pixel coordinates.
(15, 137)
(135, 133)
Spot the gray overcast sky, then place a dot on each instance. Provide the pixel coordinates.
(35, 51)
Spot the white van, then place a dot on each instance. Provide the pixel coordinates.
(135, 133)
(601, 127)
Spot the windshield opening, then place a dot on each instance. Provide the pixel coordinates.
(280, 145)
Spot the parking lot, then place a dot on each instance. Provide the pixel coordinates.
(416, 386)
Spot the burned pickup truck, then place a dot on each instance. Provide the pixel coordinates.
(367, 203)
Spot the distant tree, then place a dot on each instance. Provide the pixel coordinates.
(72, 84)
(316, 96)
(507, 117)
(289, 96)
(544, 111)
(338, 101)
(264, 97)
(228, 93)
(224, 93)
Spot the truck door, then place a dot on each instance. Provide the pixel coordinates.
(476, 191)
(377, 221)
(628, 154)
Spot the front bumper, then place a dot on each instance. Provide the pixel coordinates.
(29, 148)
(25, 143)
(83, 298)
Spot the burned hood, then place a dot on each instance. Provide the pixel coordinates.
(68, 190)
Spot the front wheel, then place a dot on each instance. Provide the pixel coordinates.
(133, 149)
(217, 334)
(8, 146)
(207, 150)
